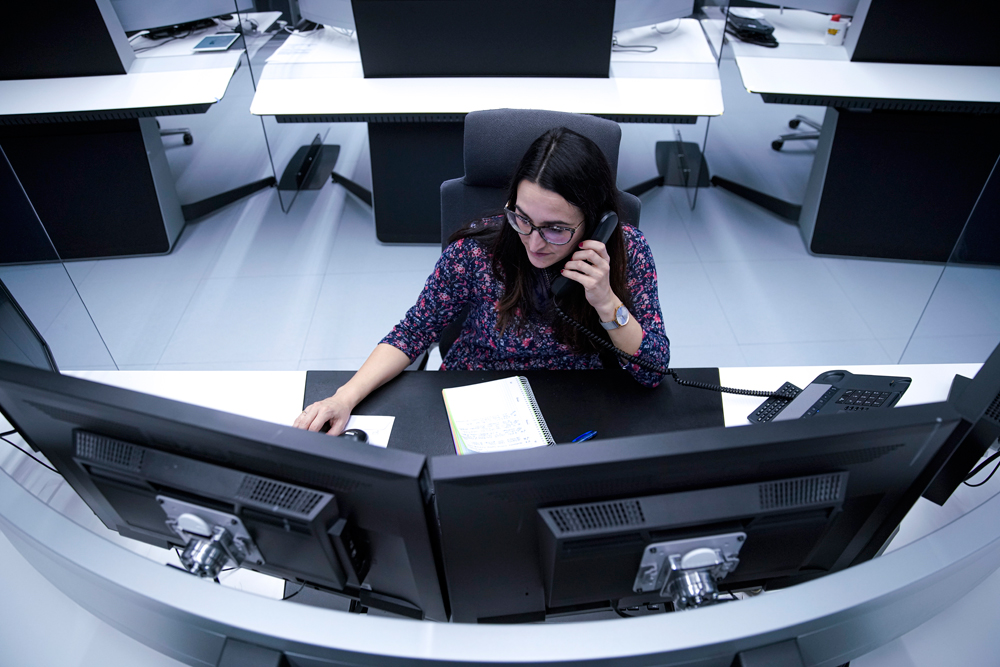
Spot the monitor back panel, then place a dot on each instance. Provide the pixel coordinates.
(435, 38)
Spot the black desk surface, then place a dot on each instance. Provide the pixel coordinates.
(609, 402)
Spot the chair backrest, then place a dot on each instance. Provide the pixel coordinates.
(20, 342)
(495, 141)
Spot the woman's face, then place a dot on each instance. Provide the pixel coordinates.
(544, 208)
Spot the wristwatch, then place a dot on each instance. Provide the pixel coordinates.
(621, 319)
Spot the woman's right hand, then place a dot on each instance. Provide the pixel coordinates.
(335, 410)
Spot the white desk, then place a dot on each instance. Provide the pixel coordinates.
(803, 70)
(318, 78)
(947, 552)
(897, 169)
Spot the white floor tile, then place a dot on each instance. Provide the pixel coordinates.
(949, 349)
(357, 250)
(794, 301)
(264, 241)
(726, 228)
(828, 353)
(890, 296)
(664, 228)
(136, 311)
(245, 320)
(894, 347)
(284, 365)
(692, 314)
(78, 271)
(42, 291)
(707, 356)
(356, 311)
(965, 303)
(75, 342)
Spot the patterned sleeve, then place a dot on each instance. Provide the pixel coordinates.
(447, 290)
(642, 286)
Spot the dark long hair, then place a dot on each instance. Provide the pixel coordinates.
(574, 167)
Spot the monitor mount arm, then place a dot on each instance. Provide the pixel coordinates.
(687, 571)
(214, 539)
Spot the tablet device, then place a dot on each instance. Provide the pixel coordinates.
(219, 42)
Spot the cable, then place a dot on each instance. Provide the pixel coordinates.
(656, 27)
(649, 366)
(979, 468)
(156, 46)
(26, 452)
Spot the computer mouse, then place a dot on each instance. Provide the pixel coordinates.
(355, 434)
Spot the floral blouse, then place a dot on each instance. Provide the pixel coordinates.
(464, 276)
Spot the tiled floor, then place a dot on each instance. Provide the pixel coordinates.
(254, 287)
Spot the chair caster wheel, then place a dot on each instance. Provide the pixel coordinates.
(188, 139)
(793, 123)
(776, 145)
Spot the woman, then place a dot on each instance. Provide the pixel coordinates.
(502, 268)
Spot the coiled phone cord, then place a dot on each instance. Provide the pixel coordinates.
(649, 366)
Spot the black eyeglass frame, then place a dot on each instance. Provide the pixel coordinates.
(512, 217)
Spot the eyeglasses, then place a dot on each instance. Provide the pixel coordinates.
(555, 234)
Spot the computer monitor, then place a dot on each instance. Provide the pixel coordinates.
(637, 13)
(978, 401)
(679, 516)
(147, 14)
(336, 13)
(20, 341)
(433, 38)
(340, 516)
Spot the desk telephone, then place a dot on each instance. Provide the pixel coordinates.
(830, 392)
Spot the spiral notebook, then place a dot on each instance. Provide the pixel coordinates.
(495, 416)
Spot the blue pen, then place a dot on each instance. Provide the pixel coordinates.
(584, 436)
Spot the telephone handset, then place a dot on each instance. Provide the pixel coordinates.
(562, 285)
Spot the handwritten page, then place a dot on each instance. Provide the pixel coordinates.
(495, 416)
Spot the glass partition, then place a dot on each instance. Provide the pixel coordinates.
(41, 289)
(683, 43)
(103, 295)
(960, 323)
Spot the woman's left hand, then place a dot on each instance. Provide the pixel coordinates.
(590, 266)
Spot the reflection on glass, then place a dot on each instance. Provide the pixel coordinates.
(43, 320)
(961, 319)
(675, 38)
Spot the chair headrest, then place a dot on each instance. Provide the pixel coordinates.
(496, 140)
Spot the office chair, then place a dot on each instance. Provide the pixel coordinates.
(20, 341)
(495, 141)
(797, 136)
